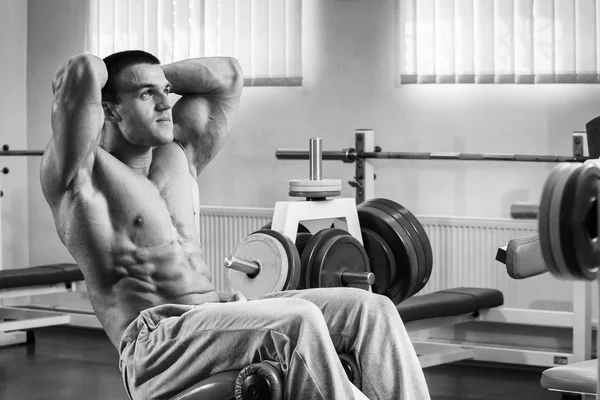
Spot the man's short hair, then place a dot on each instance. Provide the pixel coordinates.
(116, 62)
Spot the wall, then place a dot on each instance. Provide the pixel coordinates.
(57, 31)
(13, 132)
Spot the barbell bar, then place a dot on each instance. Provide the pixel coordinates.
(359, 278)
(249, 267)
(252, 269)
(17, 153)
(350, 155)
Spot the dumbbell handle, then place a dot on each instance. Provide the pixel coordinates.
(248, 267)
(252, 268)
(357, 277)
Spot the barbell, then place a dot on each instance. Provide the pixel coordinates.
(6, 151)
(349, 155)
(13, 153)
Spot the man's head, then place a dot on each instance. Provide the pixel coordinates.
(134, 98)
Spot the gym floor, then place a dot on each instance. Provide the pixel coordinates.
(73, 363)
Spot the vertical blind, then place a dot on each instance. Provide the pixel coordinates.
(499, 41)
(264, 35)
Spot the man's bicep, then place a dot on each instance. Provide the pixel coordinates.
(201, 126)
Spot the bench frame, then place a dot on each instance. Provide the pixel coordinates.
(16, 322)
(580, 321)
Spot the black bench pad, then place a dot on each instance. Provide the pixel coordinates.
(449, 302)
(41, 275)
(579, 377)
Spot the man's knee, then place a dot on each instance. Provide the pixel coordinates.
(307, 312)
(301, 312)
(371, 301)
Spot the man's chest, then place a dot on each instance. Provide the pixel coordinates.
(164, 202)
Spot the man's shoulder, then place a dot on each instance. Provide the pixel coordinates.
(171, 157)
(176, 148)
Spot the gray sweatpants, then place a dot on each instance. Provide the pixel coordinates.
(171, 347)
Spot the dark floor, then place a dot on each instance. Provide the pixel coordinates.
(69, 363)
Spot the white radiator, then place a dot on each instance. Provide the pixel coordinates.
(464, 251)
(221, 228)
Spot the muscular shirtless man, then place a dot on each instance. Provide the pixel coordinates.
(120, 177)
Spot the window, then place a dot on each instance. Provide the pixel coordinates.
(264, 35)
(499, 41)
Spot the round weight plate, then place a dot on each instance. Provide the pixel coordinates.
(381, 260)
(308, 255)
(332, 188)
(274, 268)
(422, 235)
(555, 220)
(336, 253)
(564, 234)
(544, 225)
(581, 222)
(590, 214)
(414, 237)
(301, 228)
(293, 258)
(402, 247)
(315, 194)
(302, 239)
(317, 183)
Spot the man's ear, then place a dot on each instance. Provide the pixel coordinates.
(110, 112)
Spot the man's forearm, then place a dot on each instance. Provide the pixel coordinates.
(209, 75)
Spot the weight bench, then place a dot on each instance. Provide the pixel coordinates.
(443, 308)
(16, 323)
(523, 259)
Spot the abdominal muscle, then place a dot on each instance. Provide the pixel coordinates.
(173, 273)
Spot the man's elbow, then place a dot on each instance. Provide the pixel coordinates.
(237, 74)
(86, 67)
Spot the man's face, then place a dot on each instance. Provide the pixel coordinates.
(143, 105)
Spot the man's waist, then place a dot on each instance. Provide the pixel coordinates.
(150, 317)
(194, 298)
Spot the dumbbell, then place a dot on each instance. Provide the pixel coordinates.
(263, 262)
(267, 261)
(334, 258)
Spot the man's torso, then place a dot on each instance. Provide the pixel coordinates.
(135, 237)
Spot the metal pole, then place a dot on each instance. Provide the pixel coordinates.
(248, 267)
(471, 157)
(11, 153)
(362, 278)
(359, 170)
(521, 210)
(291, 154)
(315, 156)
